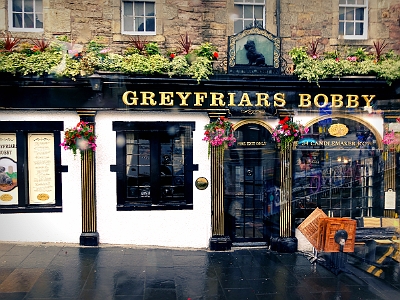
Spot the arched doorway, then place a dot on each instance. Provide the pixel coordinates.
(251, 185)
(338, 167)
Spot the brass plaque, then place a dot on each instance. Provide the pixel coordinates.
(338, 130)
(201, 183)
(6, 197)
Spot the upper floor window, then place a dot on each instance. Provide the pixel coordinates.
(25, 15)
(154, 165)
(139, 17)
(249, 13)
(353, 19)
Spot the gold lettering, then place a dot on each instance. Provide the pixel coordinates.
(217, 97)
(316, 100)
(352, 101)
(231, 99)
(199, 98)
(166, 98)
(368, 99)
(245, 101)
(337, 100)
(305, 100)
(183, 97)
(131, 100)
(279, 100)
(148, 96)
(262, 98)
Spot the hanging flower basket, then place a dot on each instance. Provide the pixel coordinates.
(391, 139)
(287, 132)
(219, 134)
(81, 138)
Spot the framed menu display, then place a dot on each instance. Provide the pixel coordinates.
(41, 168)
(8, 169)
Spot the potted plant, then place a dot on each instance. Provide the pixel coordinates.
(287, 132)
(81, 138)
(219, 134)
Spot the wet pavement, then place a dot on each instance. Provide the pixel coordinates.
(63, 271)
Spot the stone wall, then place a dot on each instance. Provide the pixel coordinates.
(301, 22)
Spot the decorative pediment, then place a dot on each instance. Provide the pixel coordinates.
(254, 51)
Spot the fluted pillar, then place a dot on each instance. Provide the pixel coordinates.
(89, 235)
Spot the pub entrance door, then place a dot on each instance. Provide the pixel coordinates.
(251, 190)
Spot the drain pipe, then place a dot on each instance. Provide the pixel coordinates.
(278, 18)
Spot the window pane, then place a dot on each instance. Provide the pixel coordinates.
(341, 13)
(17, 20)
(128, 23)
(150, 11)
(17, 5)
(349, 28)
(258, 12)
(139, 9)
(239, 11)
(360, 14)
(248, 12)
(128, 9)
(28, 21)
(238, 26)
(28, 5)
(351, 1)
(150, 24)
(342, 1)
(360, 2)
(341, 28)
(248, 23)
(359, 28)
(350, 14)
(39, 21)
(139, 24)
(38, 6)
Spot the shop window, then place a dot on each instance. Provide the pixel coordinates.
(154, 165)
(353, 19)
(25, 15)
(139, 17)
(249, 13)
(30, 166)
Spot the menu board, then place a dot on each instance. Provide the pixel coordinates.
(41, 168)
(8, 169)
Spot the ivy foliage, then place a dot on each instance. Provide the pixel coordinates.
(64, 59)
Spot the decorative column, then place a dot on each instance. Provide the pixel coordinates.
(218, 240)
(286, 243)
(89, 235)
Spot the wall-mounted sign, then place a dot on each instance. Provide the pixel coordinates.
(41, 169)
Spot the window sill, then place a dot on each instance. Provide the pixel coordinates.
(30, 209)
(155, 207)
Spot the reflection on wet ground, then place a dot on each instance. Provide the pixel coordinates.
(58, 271)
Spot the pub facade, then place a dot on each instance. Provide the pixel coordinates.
(152, 179)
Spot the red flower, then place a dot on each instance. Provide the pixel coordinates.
(215, 54)
(222, 118)
(285, 126)
(284, 120)
(172, 55)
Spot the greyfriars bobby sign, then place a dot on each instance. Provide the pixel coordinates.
(254, 51)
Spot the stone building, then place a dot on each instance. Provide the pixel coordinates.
(153, 180)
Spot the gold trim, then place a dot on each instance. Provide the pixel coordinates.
(354, 118)
(252, 121)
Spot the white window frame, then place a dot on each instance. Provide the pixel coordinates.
(23, 29)
(364, 36)
(253, 3)
(133, 32)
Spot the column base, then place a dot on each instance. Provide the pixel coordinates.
(89, 239)
(220, 243)
(284, 244)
